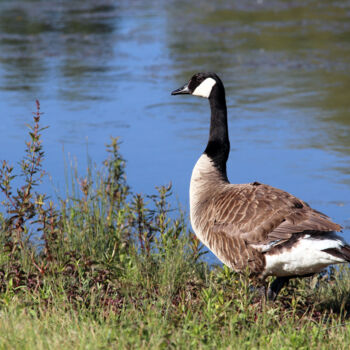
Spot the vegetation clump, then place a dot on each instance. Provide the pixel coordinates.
(107, 268)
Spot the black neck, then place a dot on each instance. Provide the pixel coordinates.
(218, 146)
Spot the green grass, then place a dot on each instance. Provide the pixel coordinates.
(113, 269)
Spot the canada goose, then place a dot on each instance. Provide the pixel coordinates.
(254, 226)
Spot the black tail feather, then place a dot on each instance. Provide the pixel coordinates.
(342, 253)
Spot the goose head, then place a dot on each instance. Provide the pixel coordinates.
(210, 86)
(201, 84)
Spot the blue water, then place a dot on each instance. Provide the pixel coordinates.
(108, 70)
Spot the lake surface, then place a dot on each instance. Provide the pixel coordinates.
(107, 68)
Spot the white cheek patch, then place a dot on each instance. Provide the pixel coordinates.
(204, 89)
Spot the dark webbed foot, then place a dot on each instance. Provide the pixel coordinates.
(276, 286)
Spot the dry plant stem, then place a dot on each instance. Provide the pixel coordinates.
(21, 206)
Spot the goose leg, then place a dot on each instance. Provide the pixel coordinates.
(262, 292)
(276, 287)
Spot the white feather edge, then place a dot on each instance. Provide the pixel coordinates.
(307, 256)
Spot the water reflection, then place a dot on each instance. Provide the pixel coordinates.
(78, 36)
(276, 54)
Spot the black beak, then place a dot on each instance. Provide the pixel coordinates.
(181, 91)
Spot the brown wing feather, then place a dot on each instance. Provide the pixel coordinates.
(235, 252)
(260, 214)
